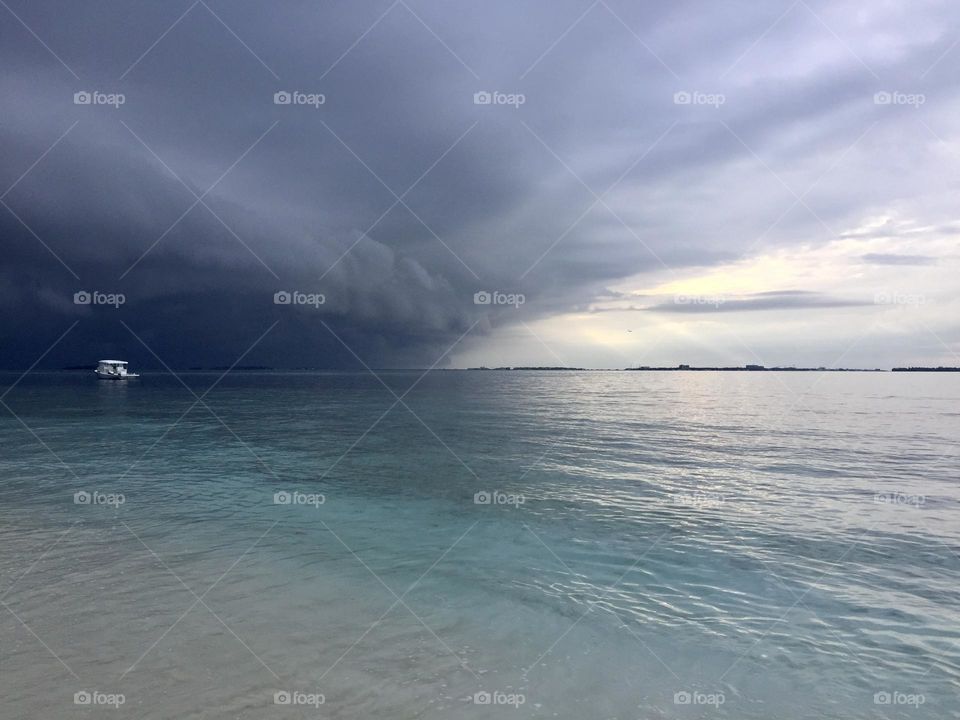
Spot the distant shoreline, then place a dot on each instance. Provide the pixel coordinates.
(644, 368)
(744, 368)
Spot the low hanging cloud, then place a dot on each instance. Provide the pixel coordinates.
(773, 300)
(895, 259)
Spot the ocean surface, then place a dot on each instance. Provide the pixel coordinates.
(582, 545)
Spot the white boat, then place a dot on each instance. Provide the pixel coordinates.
(113, 370)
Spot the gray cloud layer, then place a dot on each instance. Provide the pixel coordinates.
(787, 300)
(894, 259)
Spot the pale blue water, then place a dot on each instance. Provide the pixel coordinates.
(716, 534)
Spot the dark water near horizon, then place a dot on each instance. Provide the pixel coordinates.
(655, 545)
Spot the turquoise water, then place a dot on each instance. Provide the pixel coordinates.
(657, 545)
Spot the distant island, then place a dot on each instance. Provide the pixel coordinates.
(693, 368)
(697, 368)
(545, 367)
(752, 368)
(927, 369)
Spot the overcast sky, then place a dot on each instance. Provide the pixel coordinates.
(598, 184)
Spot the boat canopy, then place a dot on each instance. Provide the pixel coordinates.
(112, 362)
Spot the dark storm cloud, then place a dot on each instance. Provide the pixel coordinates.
(398, 198)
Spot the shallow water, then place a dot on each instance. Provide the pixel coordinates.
(761, 544)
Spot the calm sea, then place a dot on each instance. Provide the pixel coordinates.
(489, 545)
